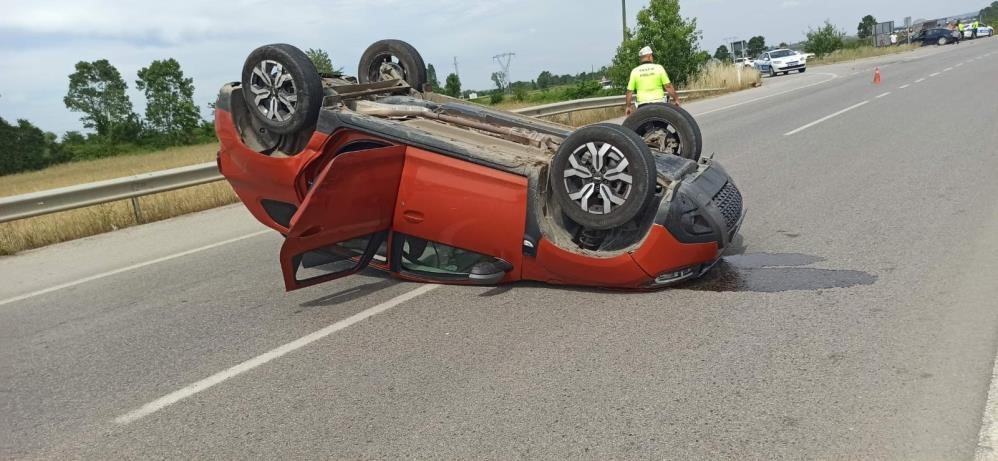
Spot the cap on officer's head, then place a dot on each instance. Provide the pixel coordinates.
(644, 51)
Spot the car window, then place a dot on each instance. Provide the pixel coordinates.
(435, 260)
(338, 257)
(781, 54)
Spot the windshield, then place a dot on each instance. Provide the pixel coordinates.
(781, 54)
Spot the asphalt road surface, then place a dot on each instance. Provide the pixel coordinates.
(860, 320)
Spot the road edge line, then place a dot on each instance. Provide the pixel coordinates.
(987, 440)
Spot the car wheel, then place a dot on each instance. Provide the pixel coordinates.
(942, 41)
(603, 176)
(282, 88)
(667, 128)
(772, 72)
(801, 70)
(392, 59)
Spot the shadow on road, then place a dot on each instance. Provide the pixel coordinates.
(351, 293)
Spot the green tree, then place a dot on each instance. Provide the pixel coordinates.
(674, 40)
(722, 54)
(25, 147)
(544, 80)
(452, 86)
(97, 90)
(499, 79)
(989, 15)
(756, 45)
(431, 77)
(170, 108)
(865, 28)
(320, 58)
(824, 40)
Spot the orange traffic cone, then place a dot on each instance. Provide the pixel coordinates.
(876, 76)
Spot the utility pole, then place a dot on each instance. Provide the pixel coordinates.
(623, 16)
(455, 68)
(503, 59)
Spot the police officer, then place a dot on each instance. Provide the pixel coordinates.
(648, 82)
(973, 28)
(959, 28)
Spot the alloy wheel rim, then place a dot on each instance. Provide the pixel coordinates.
(598, 177)
(274, 92)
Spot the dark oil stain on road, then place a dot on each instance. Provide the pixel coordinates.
(776, 272)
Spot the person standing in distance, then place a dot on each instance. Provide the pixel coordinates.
(649, 82)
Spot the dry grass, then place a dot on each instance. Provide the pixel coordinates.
(726, 76)
(68, 225)
(859, 53)
(587, 117)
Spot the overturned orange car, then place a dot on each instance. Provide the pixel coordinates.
(379, 171)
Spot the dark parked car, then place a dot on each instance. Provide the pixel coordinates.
(937, 36)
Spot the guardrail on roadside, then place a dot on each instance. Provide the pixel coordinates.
(132, 187)
(591, 103)
(95, 193)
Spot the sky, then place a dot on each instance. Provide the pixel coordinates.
(41, 40)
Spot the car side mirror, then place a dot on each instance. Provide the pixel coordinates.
(489, 272)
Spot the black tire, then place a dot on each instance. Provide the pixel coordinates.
(405, 58)
(943, 41)
(681, 130)
(801, 71)
(278, 113)
(576, 154)
(772, 72)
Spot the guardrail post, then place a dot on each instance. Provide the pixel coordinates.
(137, 210)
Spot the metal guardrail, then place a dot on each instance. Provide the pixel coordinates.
(132, 187)
(591, 103)
(94, 193)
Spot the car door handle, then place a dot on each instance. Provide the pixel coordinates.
(413, 216)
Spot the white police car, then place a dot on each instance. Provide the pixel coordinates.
(780, 61)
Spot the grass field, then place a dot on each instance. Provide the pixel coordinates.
(68, 225)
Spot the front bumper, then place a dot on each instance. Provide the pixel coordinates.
(786, 67)
(704, 207)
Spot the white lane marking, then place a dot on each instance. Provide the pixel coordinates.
(959, 64)
(128, 268)
(947, 69)
(934, 74)
(906, 85)
(834, 76)
(883, 94)
(920, 80)
(204, 384)
(987, 440)
(822, 119)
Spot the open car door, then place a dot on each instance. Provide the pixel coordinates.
(344, 218)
